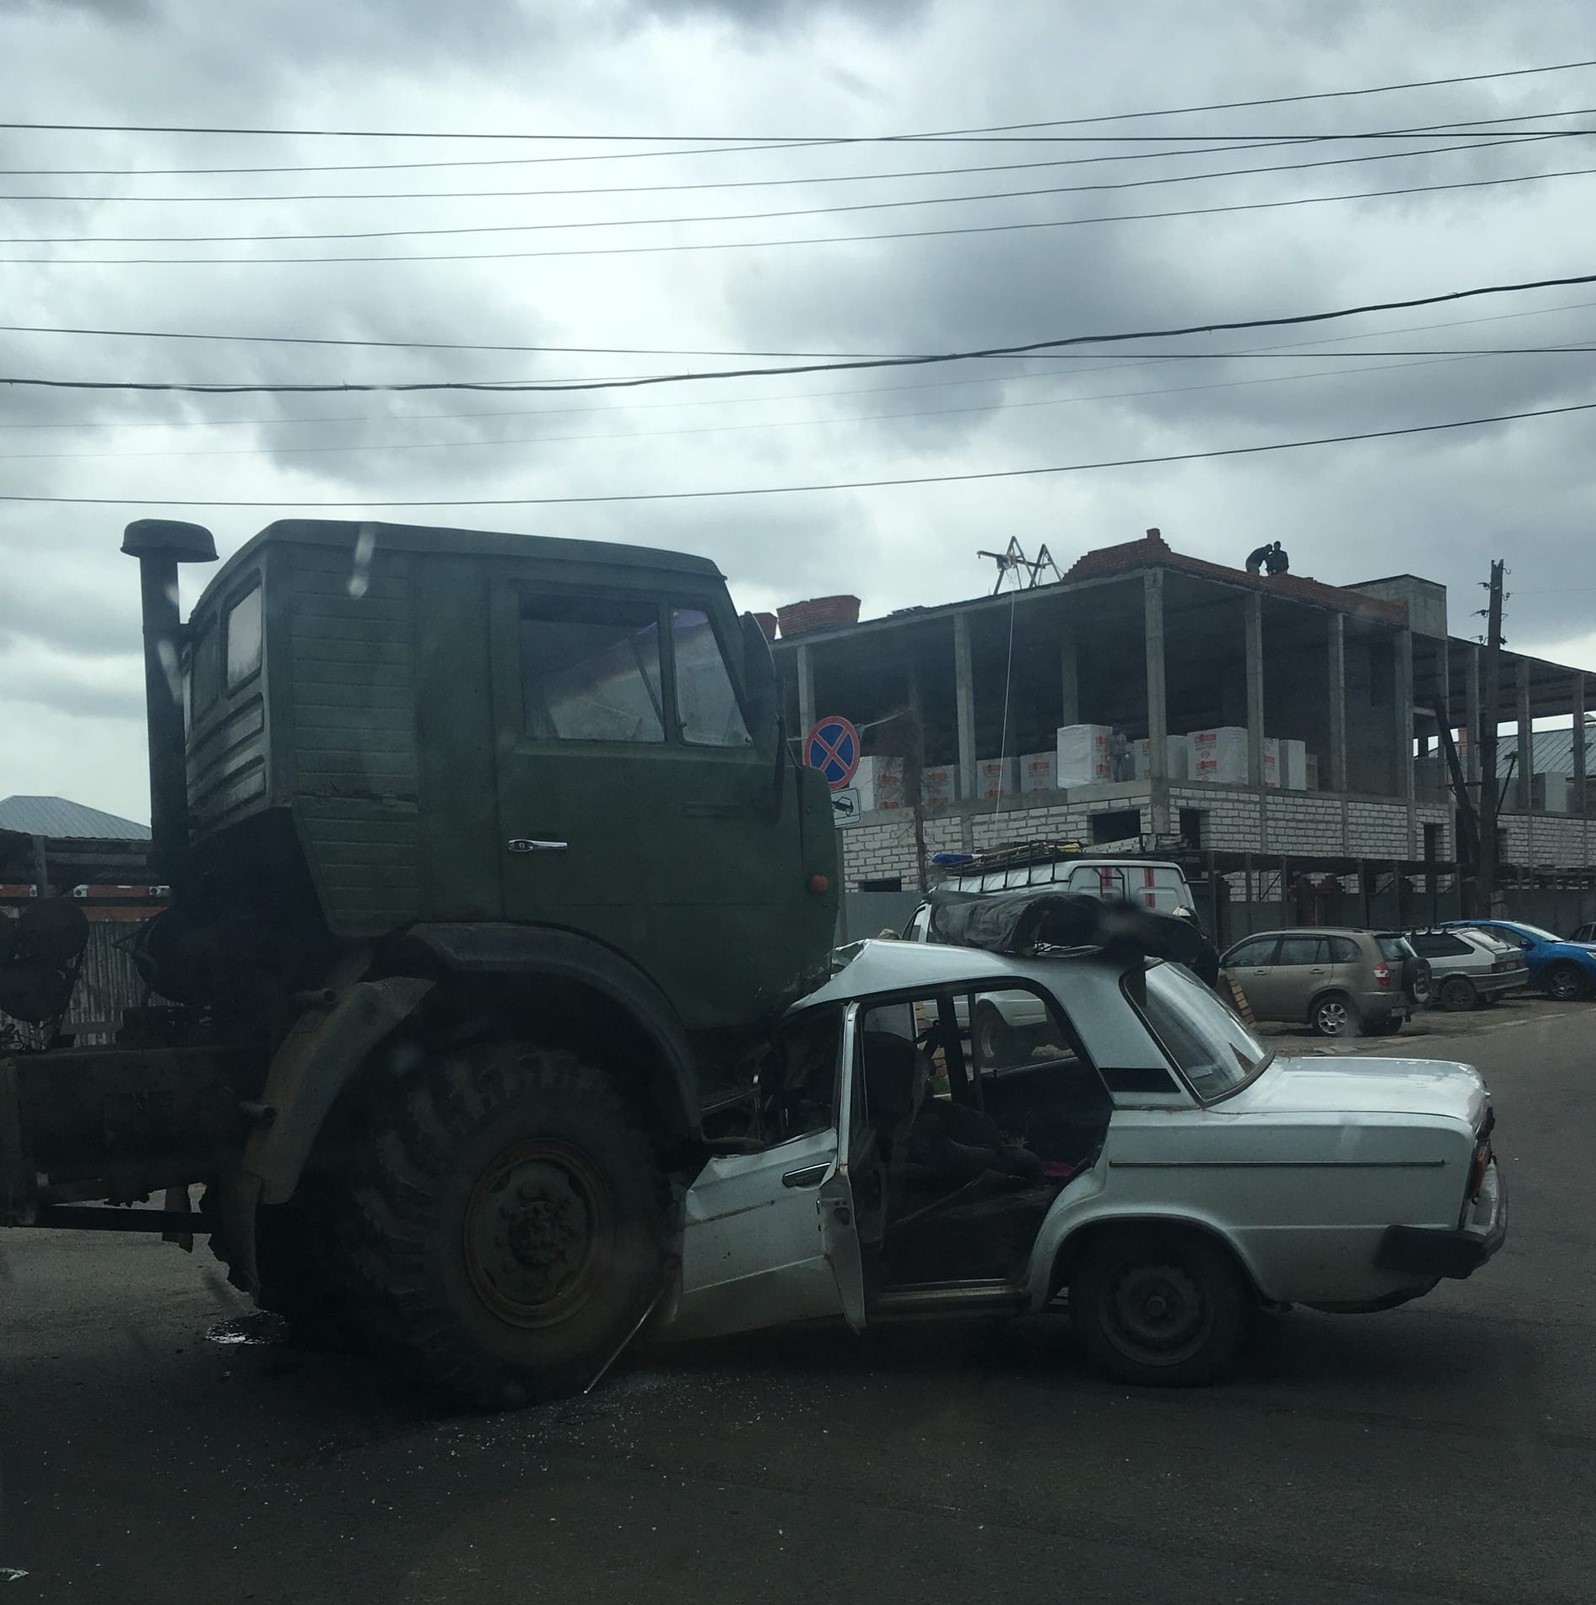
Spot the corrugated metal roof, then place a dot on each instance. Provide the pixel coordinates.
(1553, 750)
(63, 820)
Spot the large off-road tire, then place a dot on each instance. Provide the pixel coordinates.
(504, 1229)
(1160, 1308)
(297, 1280)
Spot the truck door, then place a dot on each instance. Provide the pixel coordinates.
(632, 803)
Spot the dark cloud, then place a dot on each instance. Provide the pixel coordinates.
(1439, 504)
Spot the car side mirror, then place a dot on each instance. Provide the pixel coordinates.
(759, 685)
(768, 728)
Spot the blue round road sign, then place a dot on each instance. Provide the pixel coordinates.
(832, 747)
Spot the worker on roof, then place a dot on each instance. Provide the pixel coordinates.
(1257, 557)
(1277, 561)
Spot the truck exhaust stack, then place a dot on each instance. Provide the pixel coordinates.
(160, 544)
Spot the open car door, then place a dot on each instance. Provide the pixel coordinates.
(770, 1237)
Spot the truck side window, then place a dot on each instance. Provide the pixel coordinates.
(243, 639)
(205, 671)
(706, 700)
(590, 669)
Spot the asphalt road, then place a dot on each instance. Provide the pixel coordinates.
(1445, 1451)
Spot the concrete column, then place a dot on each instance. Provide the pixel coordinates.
(1157, 699)
(1069, 679)
(1471, 713)
(1255, 710)
(1402, 700)
(1335, 775)
(1402, 696)
(1157, 690)
(1578, 781)
(964, 689)
(806, 693)
(1526, 740)
(1255, 695)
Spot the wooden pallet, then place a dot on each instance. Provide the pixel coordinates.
(1243, 1007)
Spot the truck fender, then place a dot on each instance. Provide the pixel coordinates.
(490, 948)
(310, 1068)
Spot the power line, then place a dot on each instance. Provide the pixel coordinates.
(1169, 111)
(748, 245)
(858, 484)
(718, 429)
(1059, 343)
(897, 204)
(820, 178)
(1292, 347)
(1479, 125)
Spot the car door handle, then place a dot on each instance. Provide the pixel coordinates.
(809, 1176)
(1317, 969)
(529, 844)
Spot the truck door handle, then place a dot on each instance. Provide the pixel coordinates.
(809, 1176)
(527, 844)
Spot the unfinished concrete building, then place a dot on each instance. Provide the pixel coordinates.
(1305, 720)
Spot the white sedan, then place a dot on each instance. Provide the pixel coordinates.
(1155, 1163)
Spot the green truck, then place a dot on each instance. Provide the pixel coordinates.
(489, 874)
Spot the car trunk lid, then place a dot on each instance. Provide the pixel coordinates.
(1366, 1086)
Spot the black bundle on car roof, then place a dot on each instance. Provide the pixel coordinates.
(1021, 921)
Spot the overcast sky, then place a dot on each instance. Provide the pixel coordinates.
(1441, 504)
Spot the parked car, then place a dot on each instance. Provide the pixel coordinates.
(1161, 1167)
(1561, 969)
(1585, 932)
(1469, 966)
(1342, 982)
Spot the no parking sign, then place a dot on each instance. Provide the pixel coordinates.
(832, 747)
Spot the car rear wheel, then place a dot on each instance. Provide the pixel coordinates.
(1565, 983)
(1335, 1015)
(1164, 1309)
(1456, 994)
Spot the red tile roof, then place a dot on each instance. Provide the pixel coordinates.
(1152, 551)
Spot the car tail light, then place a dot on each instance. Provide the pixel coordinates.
(1482, 1163)
(1382, 974)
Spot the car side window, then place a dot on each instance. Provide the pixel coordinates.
(706, 700)
(1260, 950)
(1343, 950)
(590, 669)
(798, 1081)
(1303, 950)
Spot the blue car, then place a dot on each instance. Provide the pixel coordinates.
(1560, 968)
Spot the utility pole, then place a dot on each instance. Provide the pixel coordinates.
(1485, 881)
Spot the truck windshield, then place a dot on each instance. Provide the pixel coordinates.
(1207, 1043)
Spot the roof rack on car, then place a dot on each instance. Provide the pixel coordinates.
(1022, 855)
(1032, 919)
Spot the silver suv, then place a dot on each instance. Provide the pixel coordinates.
(1340, 981)
(1469, 966)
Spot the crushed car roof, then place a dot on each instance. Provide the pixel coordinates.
(890, 966)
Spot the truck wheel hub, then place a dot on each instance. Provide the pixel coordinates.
(533, 1232)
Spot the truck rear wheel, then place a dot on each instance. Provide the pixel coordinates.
(505, 1225)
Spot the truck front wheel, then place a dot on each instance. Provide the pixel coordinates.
(505, 1225)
